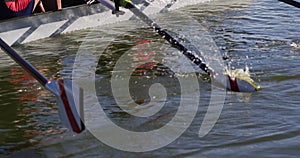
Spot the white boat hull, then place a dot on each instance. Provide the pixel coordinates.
(27, 29)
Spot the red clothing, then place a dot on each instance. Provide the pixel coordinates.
(17, 5)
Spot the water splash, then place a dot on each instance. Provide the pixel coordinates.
(242, 74)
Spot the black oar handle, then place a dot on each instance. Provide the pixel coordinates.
(169, 38)
(291, 2)
(27, 66)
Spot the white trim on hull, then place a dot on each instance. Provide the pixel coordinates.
(27, 29)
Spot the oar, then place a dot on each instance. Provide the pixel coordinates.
(232, 84)
(69, 97)
(291, 2)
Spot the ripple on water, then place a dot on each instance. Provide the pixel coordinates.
(256, 34)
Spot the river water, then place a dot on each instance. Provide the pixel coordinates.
(250, 34)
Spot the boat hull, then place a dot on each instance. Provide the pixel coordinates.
(26, 29)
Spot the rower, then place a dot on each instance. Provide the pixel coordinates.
(16, 8)
(52, 5)
(117, 11)
(119, 3)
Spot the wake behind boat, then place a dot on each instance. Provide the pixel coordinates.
(26, 29)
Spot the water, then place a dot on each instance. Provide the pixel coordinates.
(254, 34)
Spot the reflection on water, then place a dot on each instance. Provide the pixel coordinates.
(256, 34)
(29, 111)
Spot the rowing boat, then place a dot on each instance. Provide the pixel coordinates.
(26, 29)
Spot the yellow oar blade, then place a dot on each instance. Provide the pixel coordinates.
(239, 80)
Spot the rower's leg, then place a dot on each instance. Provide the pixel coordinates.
(117, 5)
(40, 4)
(59, 6)
(117, 10)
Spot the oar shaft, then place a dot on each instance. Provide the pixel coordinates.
(27, 66)
(169, 38)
